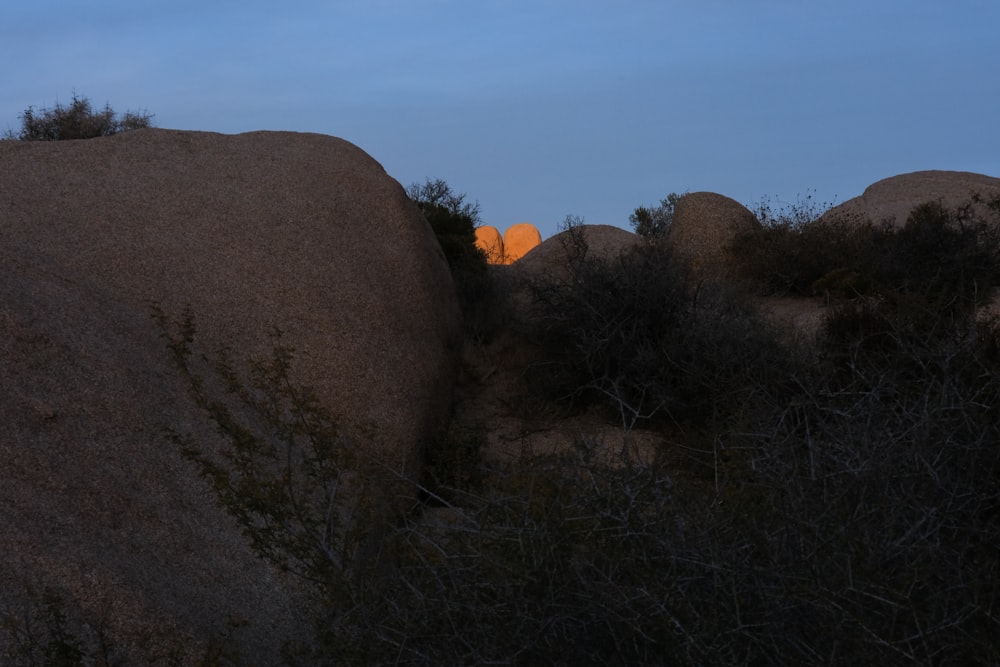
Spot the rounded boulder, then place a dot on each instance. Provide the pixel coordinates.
(257, 232)
(704, 226)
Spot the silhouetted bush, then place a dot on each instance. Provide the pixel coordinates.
(79, 120)
(793, 253)
(454, 221)
(872, 501)
(636, 333)
(652, 222)
(948, 258)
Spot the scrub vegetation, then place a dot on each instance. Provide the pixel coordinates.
(79, 120)
(829, 502)
(838, 505)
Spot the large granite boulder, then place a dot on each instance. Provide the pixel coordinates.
(704, 226)
(519, 240)
(892, 199)
(301, 232)
(490, 241)
(552, 256)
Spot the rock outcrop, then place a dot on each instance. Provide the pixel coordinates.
(516, 242)
(892, 199)
(258, 231)
(703, 227)
(490, 241)
(553, 255)
(519, 240)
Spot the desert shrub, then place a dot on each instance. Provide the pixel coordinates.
(79, 120)
(294, 483)
(875, 520)
(453, 466)
(637, 334)
(454, 221)
(48, 627)
(949, 258)
(43, 633)
(652, 222)
(933, 276)
(862, 529)
(793, 250)
(860, 524)
(559, 561)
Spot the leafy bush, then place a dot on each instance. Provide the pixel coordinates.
(77, 121)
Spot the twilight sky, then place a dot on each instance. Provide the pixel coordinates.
(543, 108)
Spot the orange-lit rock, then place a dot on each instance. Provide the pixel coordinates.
(489, 240)
(518, 240)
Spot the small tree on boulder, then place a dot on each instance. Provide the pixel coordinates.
(79, 120)
(653, 222)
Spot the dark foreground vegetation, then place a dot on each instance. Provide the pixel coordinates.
(79, 120)
(836, 501)
(841, 508)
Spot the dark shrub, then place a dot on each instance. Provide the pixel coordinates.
(652, 222)
(454, 222)
(949, 258)
(793, 253)
(635, 333)
(77, 121)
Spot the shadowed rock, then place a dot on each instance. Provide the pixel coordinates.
(302, 232)
(553, 255)
(892, 199)
(703, 227)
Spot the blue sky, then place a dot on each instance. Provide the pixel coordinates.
(539, 109)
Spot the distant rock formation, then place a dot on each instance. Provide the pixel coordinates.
(703, 227)
(519, 240)
(490, 241)
(892, 199)
(302, 232)
(516, 242)
(553, 255)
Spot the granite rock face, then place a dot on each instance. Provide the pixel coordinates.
(703, 227)
(892, 199)
(510, 246)
(490, 241)
(300, 232)
(519, 240)
(553, 255)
